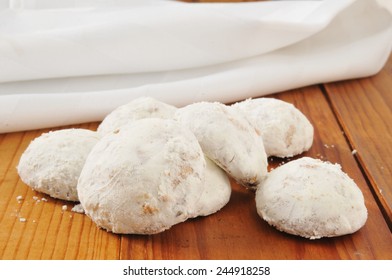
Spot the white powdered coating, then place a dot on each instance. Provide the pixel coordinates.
(140, 108)
(311, 198)
(52, 162)
(285, 130)
(143, 178)
(228, 139)
(78, 208)
(217, 190)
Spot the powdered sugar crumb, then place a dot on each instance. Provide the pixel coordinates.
(78, 209)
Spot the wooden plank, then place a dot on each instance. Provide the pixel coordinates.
(237, 232)
(48, 231)
(364, 109)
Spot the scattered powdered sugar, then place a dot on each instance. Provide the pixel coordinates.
(329, 146)
(36, 199)
(78, 209)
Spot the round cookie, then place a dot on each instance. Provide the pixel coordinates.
(143, 178)
(311, 198)
(228, 139)
(52, 162)
(140, 108)
(217, 190)
(285, 130)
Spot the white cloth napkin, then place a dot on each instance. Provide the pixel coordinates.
(67, 62)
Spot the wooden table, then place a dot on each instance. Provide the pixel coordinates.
(353, 127)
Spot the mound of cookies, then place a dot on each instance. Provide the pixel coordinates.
(150, 166)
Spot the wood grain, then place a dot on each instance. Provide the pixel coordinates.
(364, 109)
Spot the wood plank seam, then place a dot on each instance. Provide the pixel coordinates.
(357, 160)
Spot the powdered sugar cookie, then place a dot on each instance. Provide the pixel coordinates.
(228, 139)
(311, 198)
(53, 161)
(285, 130)
(140, 108)
(217, 190)
(143, 178)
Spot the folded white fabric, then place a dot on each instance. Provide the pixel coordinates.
(66, 62)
